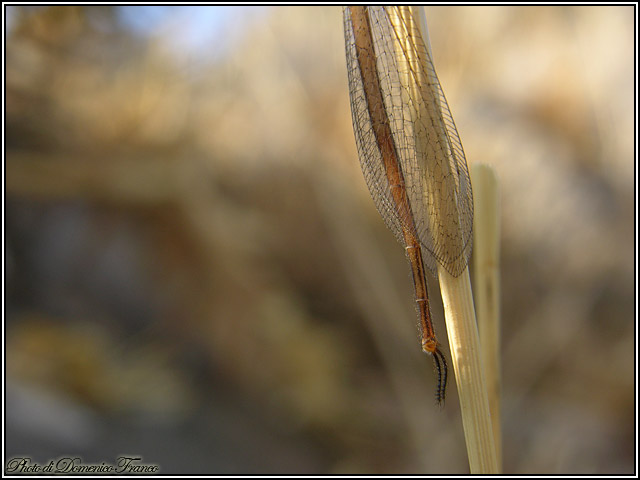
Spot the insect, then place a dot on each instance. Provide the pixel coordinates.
(409, 150)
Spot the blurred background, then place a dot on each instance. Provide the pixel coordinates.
(196, 273)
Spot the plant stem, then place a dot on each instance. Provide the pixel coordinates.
(467, 365)
(486, 261)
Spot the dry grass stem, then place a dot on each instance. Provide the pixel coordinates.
(486, 261)
(460, 315)
(467, 366)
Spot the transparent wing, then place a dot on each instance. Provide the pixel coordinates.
(425, 137)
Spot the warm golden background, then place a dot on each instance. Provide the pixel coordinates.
(195, 272)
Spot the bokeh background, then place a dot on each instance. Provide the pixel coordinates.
(196, 274)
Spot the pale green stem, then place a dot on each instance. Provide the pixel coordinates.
(486, 261)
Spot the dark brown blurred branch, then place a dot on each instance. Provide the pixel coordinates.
(119, 181)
